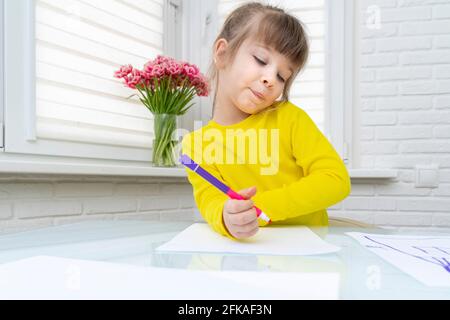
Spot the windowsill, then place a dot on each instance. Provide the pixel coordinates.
(26, 164)
(373, 174)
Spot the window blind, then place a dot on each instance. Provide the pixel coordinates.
(308, 90)
(79, 45)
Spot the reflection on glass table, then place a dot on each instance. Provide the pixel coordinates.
(363, 274)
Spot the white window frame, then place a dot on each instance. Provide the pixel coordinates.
(197, 28)
(2, 84)
(342, 80)
(20, 97)
(200, 27)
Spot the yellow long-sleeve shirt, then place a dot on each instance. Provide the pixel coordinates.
(297, 172)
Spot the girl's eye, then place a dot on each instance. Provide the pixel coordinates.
(263, 63)
(260, 61)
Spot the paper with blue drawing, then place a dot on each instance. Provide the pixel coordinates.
(274, 240)
(426, 258)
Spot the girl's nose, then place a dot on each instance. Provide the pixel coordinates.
(267, 82)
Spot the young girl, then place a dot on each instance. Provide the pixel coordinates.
(256, 140)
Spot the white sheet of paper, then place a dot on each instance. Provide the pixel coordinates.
(276, 240)
(425, 258)
(46, 277)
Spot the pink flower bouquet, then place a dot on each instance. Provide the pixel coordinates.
(165, 86)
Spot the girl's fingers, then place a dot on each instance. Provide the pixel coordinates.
(246, 227)
(243, 218)
(248, 193)
(243, 235)
(238, 206)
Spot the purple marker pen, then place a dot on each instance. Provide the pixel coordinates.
(189, 163)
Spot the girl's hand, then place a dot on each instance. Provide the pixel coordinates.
(240, 217)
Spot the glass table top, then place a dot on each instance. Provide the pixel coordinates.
(363, 274)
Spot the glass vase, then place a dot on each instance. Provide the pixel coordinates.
(165, 143)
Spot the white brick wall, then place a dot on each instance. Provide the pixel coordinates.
(28, 202)
(405, 103)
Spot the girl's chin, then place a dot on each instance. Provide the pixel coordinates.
(253, 107)
(250, 107)
(249, 110)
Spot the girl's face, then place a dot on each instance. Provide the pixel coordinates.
(255, 79)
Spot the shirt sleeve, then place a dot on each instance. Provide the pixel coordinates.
(325, 182)
(209, 200)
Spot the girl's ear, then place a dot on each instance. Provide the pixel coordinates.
(220, 50)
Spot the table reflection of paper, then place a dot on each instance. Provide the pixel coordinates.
(426, 258)
(60, 278)
(274, 240)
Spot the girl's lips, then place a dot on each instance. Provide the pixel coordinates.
(257, 95)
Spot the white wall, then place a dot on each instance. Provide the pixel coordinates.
(405, 102)
(34, 201)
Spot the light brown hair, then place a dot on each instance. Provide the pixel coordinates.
(269, 25)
